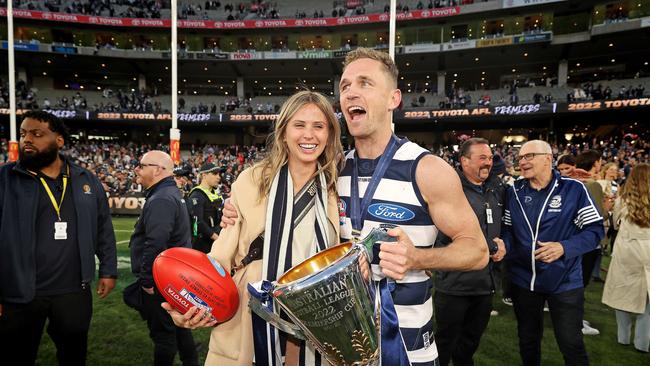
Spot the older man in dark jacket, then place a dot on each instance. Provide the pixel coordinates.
(463, 300)
(54, 220)
(164, 223)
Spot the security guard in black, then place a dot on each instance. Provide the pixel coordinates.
(206, 208)
(55, 222)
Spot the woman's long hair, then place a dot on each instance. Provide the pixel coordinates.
(278, 151)
(636, 195)
(605, 168)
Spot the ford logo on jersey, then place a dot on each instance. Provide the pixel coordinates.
(390, 212)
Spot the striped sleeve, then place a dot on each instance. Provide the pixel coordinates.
(507, 220)
(586, 216)
(588, 213)
(588, 222)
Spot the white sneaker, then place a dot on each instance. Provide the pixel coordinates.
(507, 301)
(546, 307)
(588, 330)
(494, 313)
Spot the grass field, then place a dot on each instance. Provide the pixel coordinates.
(118, 336)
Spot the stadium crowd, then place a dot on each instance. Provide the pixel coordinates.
(131, 8)
(149, 100)
(114, 162)
(211, 9)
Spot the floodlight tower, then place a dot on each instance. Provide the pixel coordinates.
(13, 142)
(174, 132)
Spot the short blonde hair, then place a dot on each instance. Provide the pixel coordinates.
(382, 57)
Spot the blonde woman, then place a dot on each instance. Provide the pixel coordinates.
(304, 151)
(608, 179)
(626, 287)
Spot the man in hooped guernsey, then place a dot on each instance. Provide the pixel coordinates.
(391, 182)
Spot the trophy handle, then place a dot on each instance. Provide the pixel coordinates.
(275, 320)
(375, 235)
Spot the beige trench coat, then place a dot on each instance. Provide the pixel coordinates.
(231, 343)
(626, 287)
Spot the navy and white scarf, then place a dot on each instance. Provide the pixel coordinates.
(277, 256)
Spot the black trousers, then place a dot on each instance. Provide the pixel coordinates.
(168, 339)
(68, 317)
(460, 323)
(588, 263)
(501, 275)
(203, 245)
(566, 309)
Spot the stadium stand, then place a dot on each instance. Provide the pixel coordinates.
(125, 100)
(233, 10)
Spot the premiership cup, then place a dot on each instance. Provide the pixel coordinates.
(329, 304)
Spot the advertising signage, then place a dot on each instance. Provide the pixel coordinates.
(315, 54)
(533, 37)
(234, 24)
(129, 204)
(494, 42)
(518, 110)
(21, 46)
(415, 114)
(64, 49)
(518, 3)
(608, 105)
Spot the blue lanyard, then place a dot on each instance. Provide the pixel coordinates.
(358, 211)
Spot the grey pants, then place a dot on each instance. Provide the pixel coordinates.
(641, 331)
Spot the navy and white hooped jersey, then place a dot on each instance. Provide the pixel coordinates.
(398, 201)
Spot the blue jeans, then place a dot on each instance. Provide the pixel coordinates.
(642, 328)
(566, 309)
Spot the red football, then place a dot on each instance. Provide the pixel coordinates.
(187, 277)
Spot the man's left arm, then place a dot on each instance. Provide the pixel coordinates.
(590, 227)
(586, 240)
(106, 250)
(452, 214)
(590, 231)
(158, 229)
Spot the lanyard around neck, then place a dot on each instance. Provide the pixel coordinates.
(358, 209)
(57, 206)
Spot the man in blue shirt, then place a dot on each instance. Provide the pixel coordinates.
(550, 222)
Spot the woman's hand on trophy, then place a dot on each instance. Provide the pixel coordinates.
(194, 318)
(229, 214)
(395, 259)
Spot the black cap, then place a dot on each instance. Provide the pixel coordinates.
(181, 171)
(208, 167)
